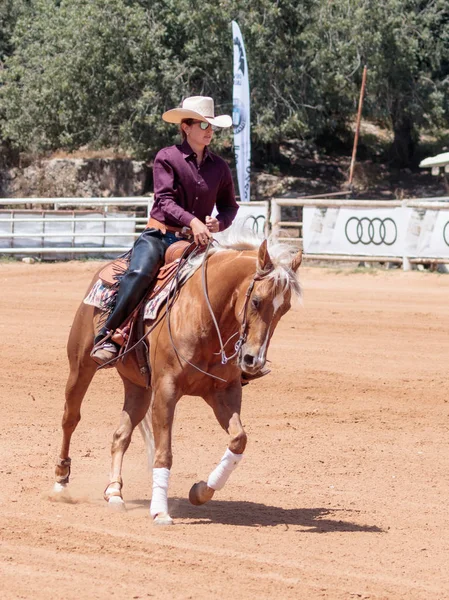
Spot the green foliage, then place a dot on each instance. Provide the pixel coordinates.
(407, 46)
(9, 12)
(101, 72)
(90, 72)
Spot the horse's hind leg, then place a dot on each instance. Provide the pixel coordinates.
(137, 402)
(226, 405)
(82, 370)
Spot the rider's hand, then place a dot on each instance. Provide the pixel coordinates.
(213, 224)
(200, 232)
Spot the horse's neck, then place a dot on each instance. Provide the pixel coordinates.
(228, 278)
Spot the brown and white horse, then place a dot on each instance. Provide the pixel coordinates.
(232, 305)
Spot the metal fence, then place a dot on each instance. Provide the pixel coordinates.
(71, 226)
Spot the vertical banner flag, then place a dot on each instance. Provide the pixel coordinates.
(240, 115)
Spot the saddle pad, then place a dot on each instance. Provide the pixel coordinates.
(109, 273)
(101, 293)
(162, 291)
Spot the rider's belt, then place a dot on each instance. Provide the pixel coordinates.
(155, 224)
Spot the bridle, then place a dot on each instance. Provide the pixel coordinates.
(243, 328)
(242, 333)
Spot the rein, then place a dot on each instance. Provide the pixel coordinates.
(243, 329)
(173, 294)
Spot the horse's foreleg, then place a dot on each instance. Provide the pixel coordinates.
(226, 405)
(163, 411)
(137, 402)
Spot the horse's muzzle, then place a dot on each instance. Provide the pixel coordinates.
(250, 363)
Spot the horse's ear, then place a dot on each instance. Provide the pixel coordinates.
(296, 262)
(264, 263)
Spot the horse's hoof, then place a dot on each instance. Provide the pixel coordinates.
(59, 488)
(163, 519)
(200, 493)
(60, 493)
(116, 503)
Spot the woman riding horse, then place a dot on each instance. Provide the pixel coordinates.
(219, 328)
(189, 180)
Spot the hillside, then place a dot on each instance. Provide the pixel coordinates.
(296, 169)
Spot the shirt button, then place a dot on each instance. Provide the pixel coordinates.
(196, 198)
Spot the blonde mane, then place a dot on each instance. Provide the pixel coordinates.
(281, 254)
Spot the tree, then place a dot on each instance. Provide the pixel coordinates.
(90, 72)
(102, 72)
(9, 12)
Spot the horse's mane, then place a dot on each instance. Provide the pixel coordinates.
(281, 255)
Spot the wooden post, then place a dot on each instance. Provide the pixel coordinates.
(357, 128)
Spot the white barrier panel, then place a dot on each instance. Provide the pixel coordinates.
(251, 215)
(427, 233)
(401, 231)
(354, 231)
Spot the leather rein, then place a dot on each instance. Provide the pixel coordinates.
(172, 296)
(243, 328)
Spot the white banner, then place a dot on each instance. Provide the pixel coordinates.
(354, 231)
(400, 231)
(428, 234)
(241, 115)
(253, 216)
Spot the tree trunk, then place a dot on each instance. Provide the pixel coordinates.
(402, 149)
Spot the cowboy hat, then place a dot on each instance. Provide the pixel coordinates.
(200, 108)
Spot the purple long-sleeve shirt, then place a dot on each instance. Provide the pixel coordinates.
(183, 191)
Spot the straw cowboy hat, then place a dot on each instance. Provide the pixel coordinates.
(200, 108)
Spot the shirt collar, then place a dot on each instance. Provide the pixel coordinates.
(187, 151)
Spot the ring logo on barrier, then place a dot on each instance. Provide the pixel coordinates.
(257, 224)
(446, 234)
(371, 231)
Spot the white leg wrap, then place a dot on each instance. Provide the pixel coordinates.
(160, 491)
(221, 473)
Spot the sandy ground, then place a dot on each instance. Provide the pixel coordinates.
(343, 492)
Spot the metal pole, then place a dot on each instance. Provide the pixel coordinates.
(357, 128)
(406, 264)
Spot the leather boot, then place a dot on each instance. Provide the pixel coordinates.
(104, 348)
(104, 353)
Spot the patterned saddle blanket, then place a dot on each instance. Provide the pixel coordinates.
(104, 290)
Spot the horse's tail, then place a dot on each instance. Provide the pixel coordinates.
(147, 434)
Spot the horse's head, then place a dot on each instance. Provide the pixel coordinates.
(268, 300)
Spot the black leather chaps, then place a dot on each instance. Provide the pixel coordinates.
(147, 257)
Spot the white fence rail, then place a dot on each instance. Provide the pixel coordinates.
(69, 227)
(403, 232)
(84, 226)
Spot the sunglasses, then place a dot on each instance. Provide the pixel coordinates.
(204, 125)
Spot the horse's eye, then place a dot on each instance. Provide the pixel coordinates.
(256, 302)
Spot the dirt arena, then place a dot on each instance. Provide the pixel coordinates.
(344, 489)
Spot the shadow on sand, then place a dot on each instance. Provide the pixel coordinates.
(254, 514)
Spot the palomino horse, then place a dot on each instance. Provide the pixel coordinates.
(238, 296)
